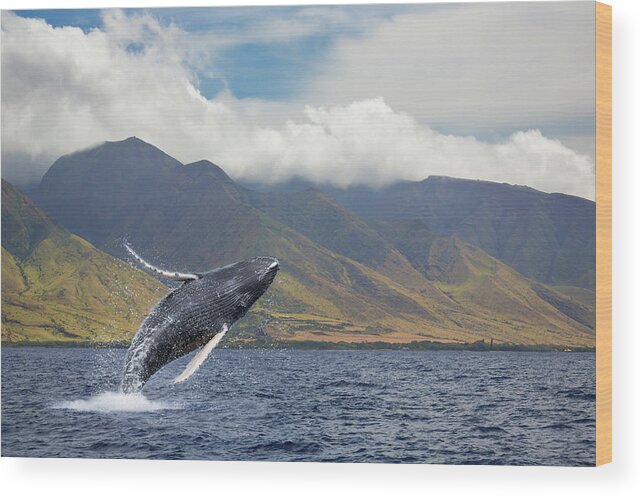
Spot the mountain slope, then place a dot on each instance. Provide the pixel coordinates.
(547, 237)
(474, 283)
(478, 281)
(341, 279)
(58, 287)
(329, 225)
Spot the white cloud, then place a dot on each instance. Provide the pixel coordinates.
(473, 67)
(64, 89)
(368, 142)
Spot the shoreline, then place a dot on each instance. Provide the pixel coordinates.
(479, 346)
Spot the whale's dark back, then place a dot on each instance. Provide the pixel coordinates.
(188, 317)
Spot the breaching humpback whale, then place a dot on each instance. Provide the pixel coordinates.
(196, 315)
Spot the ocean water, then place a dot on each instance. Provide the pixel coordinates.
(500, 408)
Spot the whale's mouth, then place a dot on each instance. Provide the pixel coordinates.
(267, 264)
(270, 269)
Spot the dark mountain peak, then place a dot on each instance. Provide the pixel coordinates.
(109, 163)
(101, 180)
(205, 169)
(131, 149)
(129, 142)
(203, 163)
(206, 165)
(133, 140)
(134, 146)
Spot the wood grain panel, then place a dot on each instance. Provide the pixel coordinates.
(603, 233)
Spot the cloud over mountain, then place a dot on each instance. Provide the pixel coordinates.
(66, 88)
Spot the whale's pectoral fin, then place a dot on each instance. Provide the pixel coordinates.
(200, 357)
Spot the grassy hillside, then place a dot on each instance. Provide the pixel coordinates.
(546, 237)
(458, 285)
(56, 287)
(452, 292)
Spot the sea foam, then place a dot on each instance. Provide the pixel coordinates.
(116, 402)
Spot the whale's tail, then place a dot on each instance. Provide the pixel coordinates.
(172, 275)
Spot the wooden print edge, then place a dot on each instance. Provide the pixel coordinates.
(603, 233)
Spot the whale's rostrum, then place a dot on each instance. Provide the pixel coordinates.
(196, 315)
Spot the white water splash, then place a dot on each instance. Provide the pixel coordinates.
(117, 402)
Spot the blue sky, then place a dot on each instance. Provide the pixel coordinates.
(342, 94)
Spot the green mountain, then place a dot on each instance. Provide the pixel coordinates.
(56, 287)
(546, 237)
(342, 279)
(477, 280)
(482, 293)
